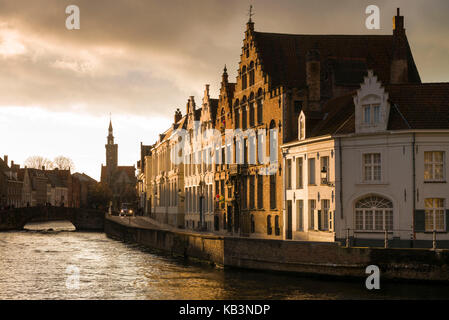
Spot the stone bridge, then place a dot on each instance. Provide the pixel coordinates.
(82, 219)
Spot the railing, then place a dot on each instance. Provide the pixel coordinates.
(386, 236)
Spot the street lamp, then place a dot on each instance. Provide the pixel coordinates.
(324, 175)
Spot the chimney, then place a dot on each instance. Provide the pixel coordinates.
(399, 62)
(12, 163)
(5, 159)
(43, 168)
(313, 79)
(178, 115)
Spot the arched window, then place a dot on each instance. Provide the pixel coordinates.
(251, 73)
(244, 112)
(251, 110)
(253, 224)
(259, 106)
(244, 78)
(374, 213)
(269, 228)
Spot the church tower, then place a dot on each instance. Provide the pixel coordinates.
(111, 151)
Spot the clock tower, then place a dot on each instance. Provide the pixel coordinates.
(111, 151)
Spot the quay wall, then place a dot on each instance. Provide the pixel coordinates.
(315, 258)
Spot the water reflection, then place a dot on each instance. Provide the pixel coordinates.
(33, 265)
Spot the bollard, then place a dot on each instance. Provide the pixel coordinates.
(347, 238)
(386, 239)
(434, 240)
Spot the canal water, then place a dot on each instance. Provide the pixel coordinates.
(52, 261)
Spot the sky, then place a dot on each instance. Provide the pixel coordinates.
(139, 60)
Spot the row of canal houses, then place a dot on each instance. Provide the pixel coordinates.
(30, 187)
(320, 138)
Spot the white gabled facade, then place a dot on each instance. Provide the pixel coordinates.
(393, 182)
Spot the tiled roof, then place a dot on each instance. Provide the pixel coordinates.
(284, 55)
(412, 106)
(424, 106)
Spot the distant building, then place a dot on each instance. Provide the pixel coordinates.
(10, 185)
(121, 180)
(81, 183)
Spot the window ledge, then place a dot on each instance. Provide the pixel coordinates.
(439, 181)
(379, 183)
(373, 231)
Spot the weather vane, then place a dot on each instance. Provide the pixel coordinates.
(250, 14)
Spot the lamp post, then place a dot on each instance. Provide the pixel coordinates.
(324, 175)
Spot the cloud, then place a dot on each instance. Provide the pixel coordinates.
(146, 57)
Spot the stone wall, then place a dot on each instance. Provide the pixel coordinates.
(290, 256)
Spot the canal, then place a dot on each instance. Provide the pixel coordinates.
(43, 262)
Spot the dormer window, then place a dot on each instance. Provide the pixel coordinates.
(371, 114)
(371, 104)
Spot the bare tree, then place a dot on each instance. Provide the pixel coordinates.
(63, 163)
(38, 162)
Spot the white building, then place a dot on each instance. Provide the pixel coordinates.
(374, 160)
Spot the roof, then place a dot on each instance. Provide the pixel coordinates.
(424, 106)
(283, 56)
(412, 106)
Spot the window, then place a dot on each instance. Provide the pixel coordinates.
(366, 114)
(371, 167)
(376, 114)
(371, 114)
(259, 106)
(277, 229)
(299, 215)
(434, 217)
(324, 174)
(374, 213)
(289, 174)
(312, 171)
(251, 73)
(244, 190)
(273, 191)
(299, 173)
(312, 206)
(244, 78)
(260, 191)
(253, 224)
(325, 204)
(251, 192)
(244, 118)
(434, 165)
(269, 228)
(237, 118)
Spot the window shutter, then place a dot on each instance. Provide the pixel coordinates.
(420, 224)
(447, 220)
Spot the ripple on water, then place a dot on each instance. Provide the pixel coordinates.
(34, 266)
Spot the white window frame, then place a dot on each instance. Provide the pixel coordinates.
(368, 215)
(433, 163)
(371, 165)
(432, 211)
